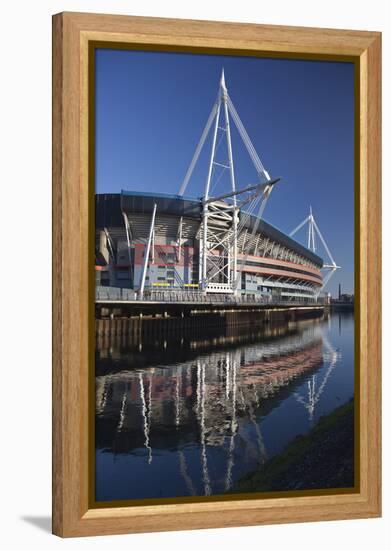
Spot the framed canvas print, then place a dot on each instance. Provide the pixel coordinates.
(216, 274)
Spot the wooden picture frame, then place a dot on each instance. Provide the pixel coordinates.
(73, 34)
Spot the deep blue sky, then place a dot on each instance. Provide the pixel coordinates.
(152, 107)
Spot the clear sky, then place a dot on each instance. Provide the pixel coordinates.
(151, 109)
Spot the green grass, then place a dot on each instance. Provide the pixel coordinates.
(323, 458)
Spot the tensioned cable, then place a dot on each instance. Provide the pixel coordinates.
(324, 242)
(198, 149)
(246, 139)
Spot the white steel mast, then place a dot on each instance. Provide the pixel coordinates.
(147, 251)
(313, 229)
(220, 219)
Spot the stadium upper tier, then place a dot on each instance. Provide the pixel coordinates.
(268, 261)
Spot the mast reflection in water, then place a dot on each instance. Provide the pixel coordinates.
(191, 417)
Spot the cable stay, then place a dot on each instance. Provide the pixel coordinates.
(223, 220)
(313, 230)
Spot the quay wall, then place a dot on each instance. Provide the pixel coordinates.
(133, 324)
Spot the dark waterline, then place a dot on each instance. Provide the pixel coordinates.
(192, 416)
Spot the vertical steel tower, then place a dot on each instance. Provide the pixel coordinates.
(331, 267)
(221, 215)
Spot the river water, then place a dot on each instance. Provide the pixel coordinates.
(189, 416)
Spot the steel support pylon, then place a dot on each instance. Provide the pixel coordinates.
(218, 255)
(313, 229)
(219, 218)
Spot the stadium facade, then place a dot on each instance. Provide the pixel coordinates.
(168, 229)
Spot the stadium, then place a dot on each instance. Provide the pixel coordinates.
(269, 263)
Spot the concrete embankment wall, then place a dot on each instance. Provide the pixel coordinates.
(161, 324)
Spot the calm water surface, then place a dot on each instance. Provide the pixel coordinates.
(190, 416)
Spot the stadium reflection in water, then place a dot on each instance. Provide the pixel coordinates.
(191, 417)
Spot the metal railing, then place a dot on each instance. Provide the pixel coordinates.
(113, 294)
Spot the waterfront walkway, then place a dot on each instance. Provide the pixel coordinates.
(112, 296)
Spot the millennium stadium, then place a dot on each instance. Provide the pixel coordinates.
(177, 247)
(168, 230)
